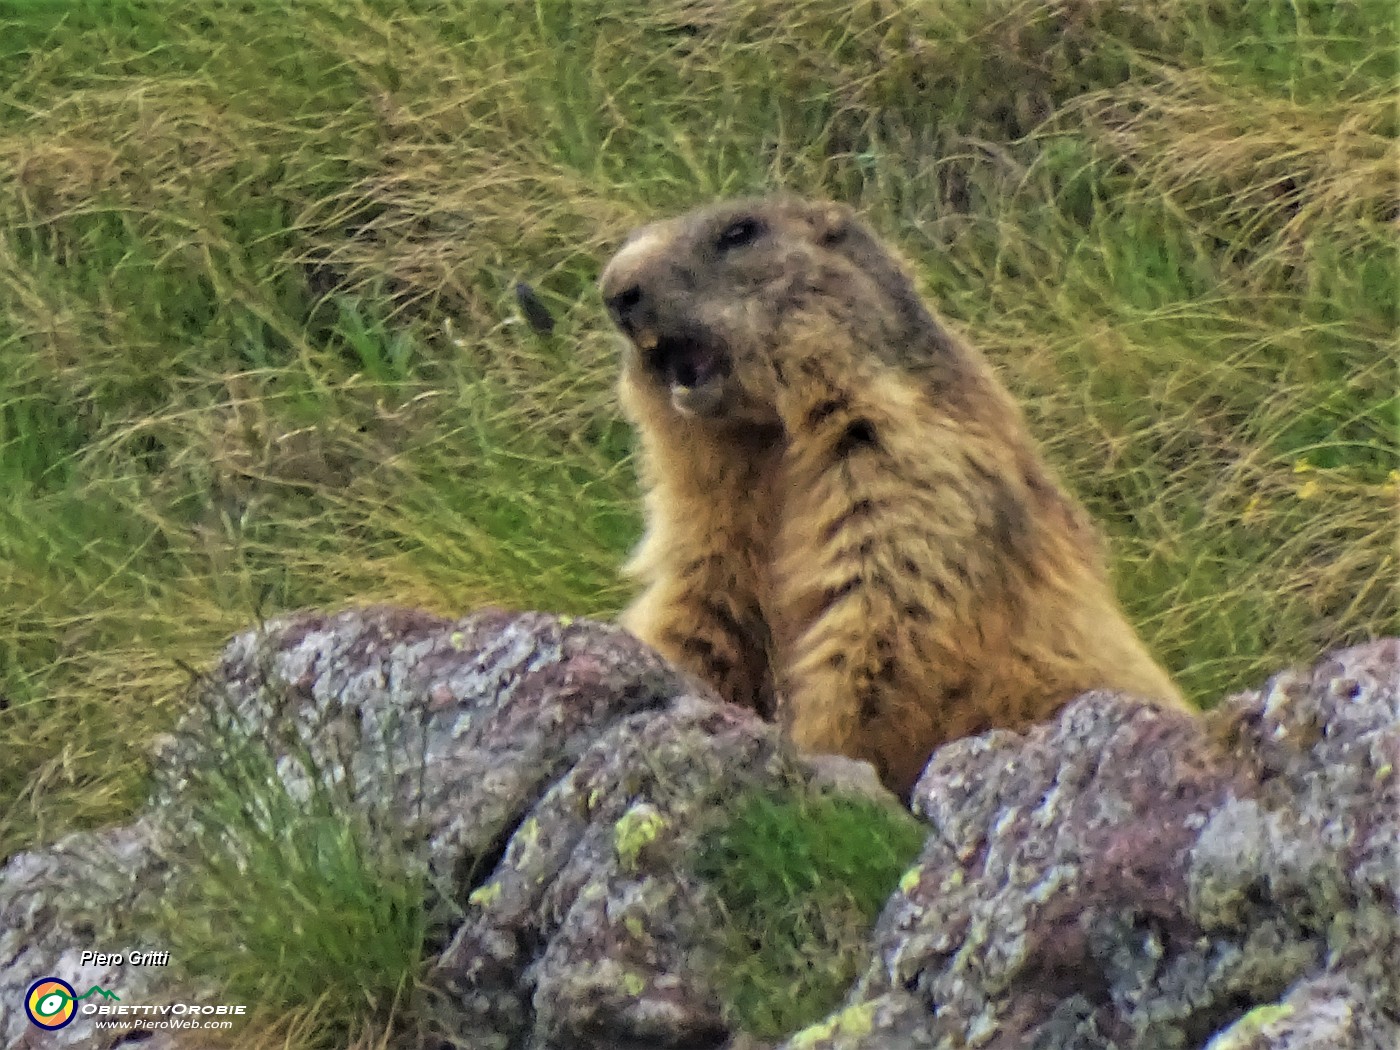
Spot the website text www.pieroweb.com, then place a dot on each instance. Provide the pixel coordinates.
(53, 1002)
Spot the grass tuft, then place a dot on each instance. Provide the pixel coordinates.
(801, 880)
(290, 897)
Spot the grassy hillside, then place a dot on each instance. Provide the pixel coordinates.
(258, 348)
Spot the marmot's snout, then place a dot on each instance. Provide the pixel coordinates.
(628, 288)
(673, 349)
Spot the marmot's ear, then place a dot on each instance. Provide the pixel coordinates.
(833, 221)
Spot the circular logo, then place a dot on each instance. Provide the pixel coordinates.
(50, 1002)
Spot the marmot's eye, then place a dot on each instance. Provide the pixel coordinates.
(738, 233)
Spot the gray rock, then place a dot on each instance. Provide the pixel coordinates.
(1117, 878)
(592, 932)
(1126, 878)
(59, 902)
(562, 759)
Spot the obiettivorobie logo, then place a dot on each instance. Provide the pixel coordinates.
(52, 1003)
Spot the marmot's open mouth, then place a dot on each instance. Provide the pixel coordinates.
(686, 362)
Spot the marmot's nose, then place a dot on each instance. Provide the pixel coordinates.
(623, 306)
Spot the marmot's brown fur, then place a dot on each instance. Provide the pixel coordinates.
(848, 523)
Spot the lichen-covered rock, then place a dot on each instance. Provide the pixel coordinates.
(1328, 1012)
(594, 900)
(461, 725)
(563, 759)
(65, 900)
(1118, 878)
(1127, 878)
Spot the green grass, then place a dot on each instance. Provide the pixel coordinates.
(800, 881)
(258, 348)
(297, 904)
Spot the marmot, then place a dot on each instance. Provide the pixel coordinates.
(848, 524)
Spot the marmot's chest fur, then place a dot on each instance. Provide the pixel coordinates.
(848, 524)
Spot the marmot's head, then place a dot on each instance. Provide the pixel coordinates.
(705, 299)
